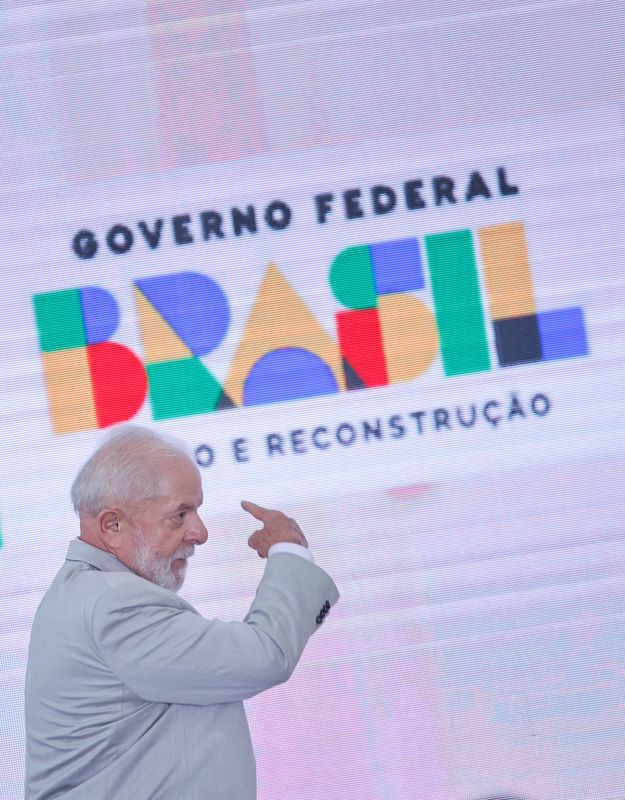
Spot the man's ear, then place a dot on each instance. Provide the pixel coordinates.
(110, 522)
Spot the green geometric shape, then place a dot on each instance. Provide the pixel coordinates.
(351, 278)
(459, 312)
(182, 388)
(59, 320)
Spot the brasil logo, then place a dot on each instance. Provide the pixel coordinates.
(385, 332)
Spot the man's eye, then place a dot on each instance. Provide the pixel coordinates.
(181, 514)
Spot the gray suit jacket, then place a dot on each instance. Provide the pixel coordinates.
(132, 695)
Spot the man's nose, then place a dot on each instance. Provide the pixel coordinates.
(199, 532)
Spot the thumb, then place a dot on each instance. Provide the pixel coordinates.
(257, 539)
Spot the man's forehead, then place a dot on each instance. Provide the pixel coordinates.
(172, 500)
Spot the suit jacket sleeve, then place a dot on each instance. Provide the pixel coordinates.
(164, 651)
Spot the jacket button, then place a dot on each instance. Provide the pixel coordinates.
(319, 619)
(326, 605)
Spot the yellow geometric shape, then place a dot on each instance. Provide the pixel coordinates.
(409, 334)
(70, 396)
(160, 341)
(507, 270)
(279, 318)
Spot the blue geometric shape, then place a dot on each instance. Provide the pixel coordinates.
(397, 266)
(289, 373)
(193, 305)
(563, 333)
(100, 314)
(517, 340)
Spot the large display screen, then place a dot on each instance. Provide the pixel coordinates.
(365, 258)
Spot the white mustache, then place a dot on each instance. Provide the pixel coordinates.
(183, 553)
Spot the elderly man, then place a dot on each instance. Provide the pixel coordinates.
(130, 693)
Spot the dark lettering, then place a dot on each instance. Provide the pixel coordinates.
(84, 244)
(278, 215)
(323, 204)
(350, 431)
(516, 409)
(119, 239)
(152, 237)
(315, 438)
(398, 429)
(477, 187)
(244, 220)
(493, 419)
(467, 423)
(204, 455)
(212, 222)
(418, 418)
(441, 419)
(353, 209)
(505, 188)
(372, 431)
(412, 194)
(383, 199)
(443, 189)
(275, 444)
(239, 449)
(181, 230)
(541, 405)
(297, 441)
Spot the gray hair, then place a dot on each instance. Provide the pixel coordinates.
(122, 469)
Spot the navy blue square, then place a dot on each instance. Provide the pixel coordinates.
(518, 340)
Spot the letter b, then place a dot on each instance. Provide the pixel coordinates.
(91, 382)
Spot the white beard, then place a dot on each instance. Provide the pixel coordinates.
(159, 570)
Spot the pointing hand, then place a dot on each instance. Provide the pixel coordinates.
(277, 527)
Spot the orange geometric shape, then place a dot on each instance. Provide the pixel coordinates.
(507, 271)
(70, 395)
(279, 319)
(160, 341)
(410, 336)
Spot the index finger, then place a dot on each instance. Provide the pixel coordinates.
(258, 512)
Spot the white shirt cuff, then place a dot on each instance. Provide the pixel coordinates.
(291, 547)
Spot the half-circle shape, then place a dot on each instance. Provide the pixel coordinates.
(289, 373)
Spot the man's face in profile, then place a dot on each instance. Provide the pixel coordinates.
(166, 528)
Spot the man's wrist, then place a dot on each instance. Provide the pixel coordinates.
(291, 547)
